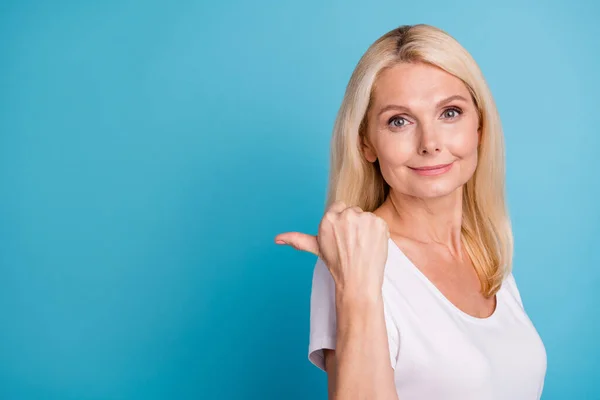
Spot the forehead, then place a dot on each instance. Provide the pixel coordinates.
(413, 83)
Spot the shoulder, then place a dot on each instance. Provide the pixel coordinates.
(510, 285)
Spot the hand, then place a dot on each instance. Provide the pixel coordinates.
(352, 243)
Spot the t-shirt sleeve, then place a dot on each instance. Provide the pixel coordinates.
(323, 318)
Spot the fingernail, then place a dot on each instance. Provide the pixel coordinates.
(279, 242)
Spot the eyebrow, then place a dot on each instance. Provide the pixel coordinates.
(438, 105)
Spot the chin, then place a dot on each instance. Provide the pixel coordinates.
(436, 189)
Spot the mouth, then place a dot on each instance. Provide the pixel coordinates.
(433, 169)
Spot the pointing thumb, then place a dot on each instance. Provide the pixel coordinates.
(299, 241)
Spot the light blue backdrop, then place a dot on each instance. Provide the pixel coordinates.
(151, 150)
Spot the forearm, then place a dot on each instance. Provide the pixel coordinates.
(362, 352)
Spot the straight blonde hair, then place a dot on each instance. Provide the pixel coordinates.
(486, 231)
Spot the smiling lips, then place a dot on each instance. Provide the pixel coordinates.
(433, 170)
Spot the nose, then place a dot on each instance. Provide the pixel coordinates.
(429, 141)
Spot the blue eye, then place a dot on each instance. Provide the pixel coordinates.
(452, 113)
(395, 125)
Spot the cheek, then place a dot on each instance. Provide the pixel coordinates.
(465, 147)
(463, 144)
(395, 153)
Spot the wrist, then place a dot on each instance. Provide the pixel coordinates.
(357, 297)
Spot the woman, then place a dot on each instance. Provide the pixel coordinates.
(415, 248)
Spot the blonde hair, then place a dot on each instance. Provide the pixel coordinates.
(486, 229)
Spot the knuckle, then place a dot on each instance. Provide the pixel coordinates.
(329, 217)
(380, 222)
(349, 212)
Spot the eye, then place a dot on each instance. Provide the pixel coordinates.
(452, 113)
(397, 122)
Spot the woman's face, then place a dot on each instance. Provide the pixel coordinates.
(422, 117)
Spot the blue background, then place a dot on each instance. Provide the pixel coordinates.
(151, 150)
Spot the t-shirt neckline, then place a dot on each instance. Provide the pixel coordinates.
(441, 296)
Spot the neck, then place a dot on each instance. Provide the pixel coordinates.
(432, 220)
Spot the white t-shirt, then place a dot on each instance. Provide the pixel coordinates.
(439, 352)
